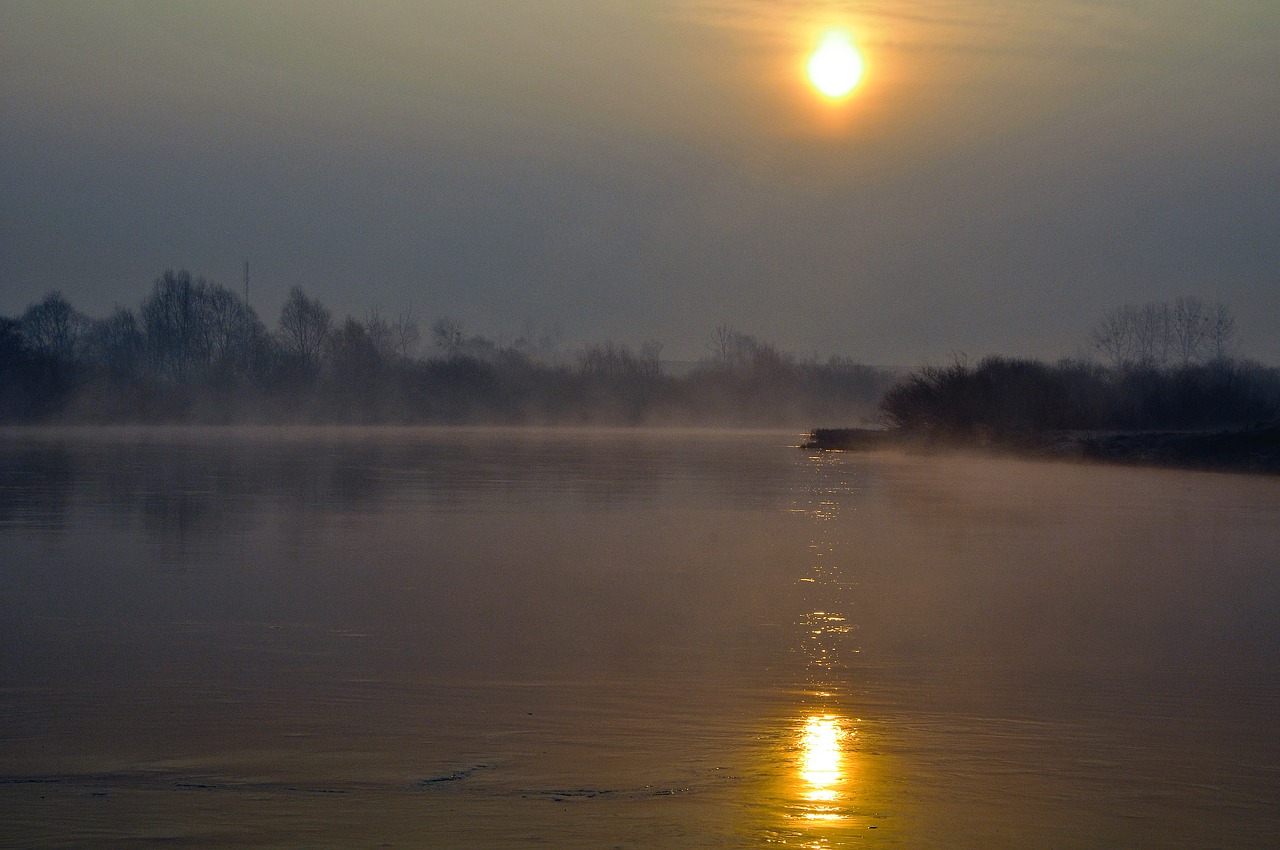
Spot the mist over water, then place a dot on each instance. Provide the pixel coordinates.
(499, 637)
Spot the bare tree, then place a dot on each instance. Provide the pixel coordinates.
(232, 325)
(447, 335)
(1221, 330)
(1151, 329)
(1188, 326)
(176, 318)
(52, 327)
(1186, 330)
(405, 334)
(1112, 337)
(116, 342)
(393, 339)
(305, 325)
(378, 329)
(353, 355)
(540, 345)
(723, 344)
(651, 358)
(607, 360)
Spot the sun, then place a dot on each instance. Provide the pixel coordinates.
(835, 66)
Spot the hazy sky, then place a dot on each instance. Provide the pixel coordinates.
(634, 169)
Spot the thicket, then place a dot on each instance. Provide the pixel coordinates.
(1003, 396)
(1165, 365)
(194, 351)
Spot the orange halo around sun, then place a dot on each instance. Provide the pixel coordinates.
(835, 67)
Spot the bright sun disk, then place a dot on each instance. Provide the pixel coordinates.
(835, 67)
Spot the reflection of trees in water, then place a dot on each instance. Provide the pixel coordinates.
(37, 487)
(205, 483)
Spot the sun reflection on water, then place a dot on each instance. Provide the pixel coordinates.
(821, 757)
(821, 808)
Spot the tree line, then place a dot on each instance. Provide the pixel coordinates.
(1164, 365)
(195, 351)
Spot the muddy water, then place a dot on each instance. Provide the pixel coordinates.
(461, 638)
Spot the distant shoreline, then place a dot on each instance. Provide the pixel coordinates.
(1254, 450)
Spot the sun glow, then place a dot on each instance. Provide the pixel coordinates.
(835, 66)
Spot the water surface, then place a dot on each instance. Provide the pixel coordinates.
(488, 638)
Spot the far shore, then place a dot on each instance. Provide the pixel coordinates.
(1255, 449)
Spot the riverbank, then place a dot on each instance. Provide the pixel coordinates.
(1254, 449)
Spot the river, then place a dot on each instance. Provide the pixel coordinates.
(508, 638)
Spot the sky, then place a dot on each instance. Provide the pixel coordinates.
(1004, 174)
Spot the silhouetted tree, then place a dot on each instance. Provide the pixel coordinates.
(1187, 330)
(304, 325)
(18, 373)
(651, 358)
(116, 344)
(176, 320)
(234, 328)
(405, 334)
(610, 360)
(354, 371)
(733, 349)
(52, 327)
(447, 336)
(723, 345)
(40, 366)
(1221, 331)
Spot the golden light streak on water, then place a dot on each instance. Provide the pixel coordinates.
(821, 757)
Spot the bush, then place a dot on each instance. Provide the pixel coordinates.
(1002, 396)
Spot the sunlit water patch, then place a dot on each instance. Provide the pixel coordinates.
(822, 767)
